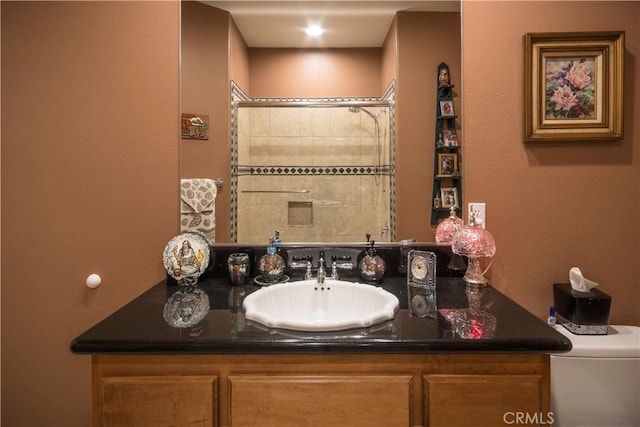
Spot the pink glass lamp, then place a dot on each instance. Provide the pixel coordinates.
(474, 242)
(448, 227)
(445, 231)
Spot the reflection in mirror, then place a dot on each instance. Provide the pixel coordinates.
(344, 75)
(315, 169)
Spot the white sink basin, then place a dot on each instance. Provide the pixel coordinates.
(307, 306)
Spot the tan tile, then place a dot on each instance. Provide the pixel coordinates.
(260, 121)
(286, 121)
(315, 122)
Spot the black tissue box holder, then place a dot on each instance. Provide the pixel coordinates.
(583, 313)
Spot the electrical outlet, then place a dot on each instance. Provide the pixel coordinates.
(480, 210)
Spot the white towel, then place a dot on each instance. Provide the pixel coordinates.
(197, 206)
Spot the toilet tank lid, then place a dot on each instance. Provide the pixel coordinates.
(621, 341)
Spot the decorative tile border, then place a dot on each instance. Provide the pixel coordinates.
(237, 95)
(390, 96)
(313, 170)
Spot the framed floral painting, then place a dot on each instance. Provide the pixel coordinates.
(574, 86)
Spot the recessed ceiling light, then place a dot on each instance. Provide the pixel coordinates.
(314, 30)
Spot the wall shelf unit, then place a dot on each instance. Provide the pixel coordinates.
(447, 179)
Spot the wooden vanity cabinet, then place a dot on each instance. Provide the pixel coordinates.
(317, 389)
(139, 400)
(275, 400)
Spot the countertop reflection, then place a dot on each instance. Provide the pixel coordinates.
(168, 320)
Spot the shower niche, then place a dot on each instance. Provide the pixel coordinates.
(317, 170)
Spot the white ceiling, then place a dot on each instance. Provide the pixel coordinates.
(357, 23)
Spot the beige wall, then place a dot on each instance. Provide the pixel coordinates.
(313, 73)
(238, 57)
(89, 174)
(204, 84)
(550, 206)
(389, 61)
(424, 40)
(89, 180)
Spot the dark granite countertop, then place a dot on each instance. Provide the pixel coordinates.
(140, 327)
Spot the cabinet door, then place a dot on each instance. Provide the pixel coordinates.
(300, 400)
(158, 401)
(481, 400)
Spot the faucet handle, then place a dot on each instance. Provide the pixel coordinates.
(334, 271)
(308, 275)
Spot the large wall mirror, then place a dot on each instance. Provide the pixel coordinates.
(314, 156)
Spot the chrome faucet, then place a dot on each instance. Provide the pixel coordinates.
(321, 267)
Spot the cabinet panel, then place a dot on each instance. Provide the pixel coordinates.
(480, 400)
(295, 400)
(158, 401)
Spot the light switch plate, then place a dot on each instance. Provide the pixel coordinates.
(480, 209)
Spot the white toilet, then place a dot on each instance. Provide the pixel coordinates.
(597, 383)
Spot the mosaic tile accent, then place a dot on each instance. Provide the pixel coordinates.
(313, 170)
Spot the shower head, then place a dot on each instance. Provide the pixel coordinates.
(354, 109)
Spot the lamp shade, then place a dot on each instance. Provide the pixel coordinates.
(474, 242)
(448, 227)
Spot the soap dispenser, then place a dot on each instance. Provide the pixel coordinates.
(277, 243)
(372, 266)
(271, 265)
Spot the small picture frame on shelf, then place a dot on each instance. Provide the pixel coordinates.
(447, 164)
(449, 197)
(446, 109)
(449, 138)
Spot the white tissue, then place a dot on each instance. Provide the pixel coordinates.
(579, 282)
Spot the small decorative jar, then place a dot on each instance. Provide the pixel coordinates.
(239, 268)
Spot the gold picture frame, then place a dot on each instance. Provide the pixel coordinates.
(447, 164)
(573, 86)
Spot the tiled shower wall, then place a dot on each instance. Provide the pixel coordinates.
(313, 173)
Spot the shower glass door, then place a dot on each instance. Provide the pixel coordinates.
(315, 171)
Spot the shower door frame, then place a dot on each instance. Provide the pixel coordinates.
(240, 99)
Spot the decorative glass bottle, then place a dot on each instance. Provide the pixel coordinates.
(271, 265)
(372, 267)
